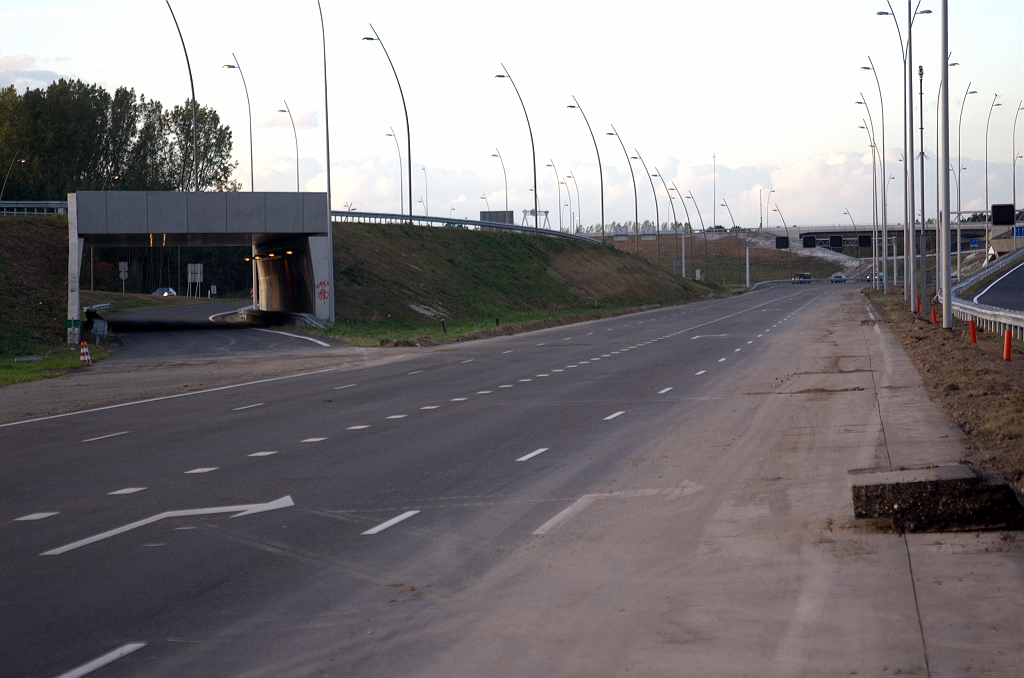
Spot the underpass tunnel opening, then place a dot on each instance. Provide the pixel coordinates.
(285, 273)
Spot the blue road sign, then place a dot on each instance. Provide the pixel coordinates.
(1018, 231)
(974, 242)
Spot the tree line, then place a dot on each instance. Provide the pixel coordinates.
(73, 136)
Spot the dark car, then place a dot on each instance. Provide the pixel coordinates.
(837, 278)
(801, 278)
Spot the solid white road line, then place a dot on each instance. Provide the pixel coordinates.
(577, 506)
(533, 454)
(700, 373)
(100, 662)
(263, 454)
(247, 407)
(205, 469)
(109, 435)
(312, 440)
(338, 388)
(358, 428)
(612, 416)
(394, 521)
(37, 516)
(239, 511)
(128, 490)
(665, 390)
(294, 336)
(170, 397)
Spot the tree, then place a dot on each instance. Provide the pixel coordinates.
(215, 166)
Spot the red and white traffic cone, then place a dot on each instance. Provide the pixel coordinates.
(84, 356)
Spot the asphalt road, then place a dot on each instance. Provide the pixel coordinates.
(199, 329)
(355, 492)
(1007, 291)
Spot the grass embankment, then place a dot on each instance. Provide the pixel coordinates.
(395, 283)
(725, 261)
(979, 390)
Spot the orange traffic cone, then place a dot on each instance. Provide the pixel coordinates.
(84, 356)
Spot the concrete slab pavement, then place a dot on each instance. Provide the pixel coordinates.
(762, 570)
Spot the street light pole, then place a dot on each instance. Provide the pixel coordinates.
(787, 239)
(874, 180)
(558, 188)
(195, 127)
(959, 179)
(657, 214)
(408, 136)
(327, 148)
(874, 204)
(705, 232)
(401, 186)
(671, 203)
(636, 208)
(943, 187)
(988, 207)
(9, 168)
(922, 273)
(739, 263)
(426, 193)
(1020, 107)
(252, 173)
(497, 154)
(296, 135)
(600, 170)
(682, 242)
(885, 206)
(533, 149)
(579, 220)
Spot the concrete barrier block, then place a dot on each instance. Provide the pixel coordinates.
(936, 498)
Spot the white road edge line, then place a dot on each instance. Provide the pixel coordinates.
(685, 488)
(533, 454)
(239, 511)
(109, 435)
(338, 388)
(100, 662)
(293, 336)
(247, 407)
(37, 516)
(995, 282)
(169, 397)
(388, 523)
(612, 416)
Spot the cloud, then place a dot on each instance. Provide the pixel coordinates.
(20, 70)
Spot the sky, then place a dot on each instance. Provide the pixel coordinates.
(725, 99)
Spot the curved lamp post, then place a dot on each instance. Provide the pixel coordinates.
(671, 202)
(739, 259)
(9, 168)
(1020, 107)
(497, 154)
(874, 200)
(533, 148)
(704, 231)
(572, 176)
(636, 208)
(885, 207)
(558, 187)
(426, 193)
(408, 137)
(682, 242)
(657, 214)
(401, 185)
(296, 135)
(195, 127)
(252, 174)
(959, 169)
(600, 171)
(486, 202)
(988, 207)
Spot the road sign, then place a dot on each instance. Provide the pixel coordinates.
(69, 323)
(1002, 215)
(1018, 231)
(781, 242)
(122, 270)
(974, 242)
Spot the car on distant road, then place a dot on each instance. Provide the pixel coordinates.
(837, 278)
(801, 278)
(165, 292)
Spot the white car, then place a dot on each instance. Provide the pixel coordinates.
(165, 292)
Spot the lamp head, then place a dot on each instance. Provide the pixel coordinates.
(371, 39)
(570, 106)
(633, 157)
(229, 66)
(609, 134)
(955, 63)
(972, 92)
(282, 110)
(499, 76)
(924, 11)
(494, 155)
(866, 68)
(882, 13)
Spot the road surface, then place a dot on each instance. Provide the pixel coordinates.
(1007, 291)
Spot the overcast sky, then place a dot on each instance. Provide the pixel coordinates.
(767, 88)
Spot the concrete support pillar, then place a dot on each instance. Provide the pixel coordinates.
(76, 247)
(323, 280)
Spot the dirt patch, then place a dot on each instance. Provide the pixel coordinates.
(979, 390)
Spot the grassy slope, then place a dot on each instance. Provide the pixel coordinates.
(473, 277)
(33, 283)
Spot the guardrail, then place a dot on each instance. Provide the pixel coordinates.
(444, 222)
(9, 208)
(988, 318)
(765, 283)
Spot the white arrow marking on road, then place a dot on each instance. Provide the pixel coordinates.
(100, 662)
(240, 510)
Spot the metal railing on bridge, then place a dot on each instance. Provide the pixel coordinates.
(353, 217)
(988, 318)
(10, 208)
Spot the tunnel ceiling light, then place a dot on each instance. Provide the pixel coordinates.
(287, 251)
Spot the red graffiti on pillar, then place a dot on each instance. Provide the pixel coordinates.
(322, 290)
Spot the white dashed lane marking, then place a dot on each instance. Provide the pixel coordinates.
(355, 428)
(457, 400)
(664, 390)
(430, 407)
(37, 516)
(416, 372)
(247, 407)
(394, 521)
(612, 416)
(312, 440)
(109, 435)
(263, 454)
(397, 416)
(338, 388)
(128, 490)
(700, 373)
(533, 454)
(205, 469)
